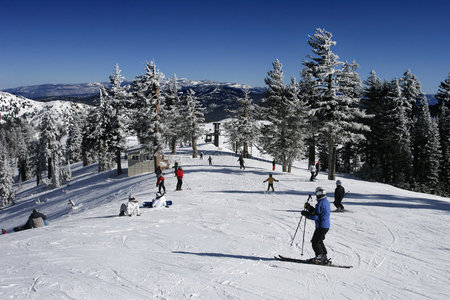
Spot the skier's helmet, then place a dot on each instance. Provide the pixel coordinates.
(320, 192)
(338, 182)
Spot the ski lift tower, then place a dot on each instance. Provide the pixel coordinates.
(216, 134)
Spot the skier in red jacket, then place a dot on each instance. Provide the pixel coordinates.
(180, 178)
(160, 184)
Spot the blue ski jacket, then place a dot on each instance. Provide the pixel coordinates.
(321, 213)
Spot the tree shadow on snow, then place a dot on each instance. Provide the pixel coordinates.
(212, 254)
(394, 201)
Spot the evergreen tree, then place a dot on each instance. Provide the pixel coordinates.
(50, 146)
(283, 135)
(444, 133)
(339, 119)
(116, 99)
(7, 192)
(145, 89)
(89, 141)
(443, 94)
(411, 91)
(397, 140)
(193, 117)
(173, 117)
(101, 134)
(74, 139)
(242, 128)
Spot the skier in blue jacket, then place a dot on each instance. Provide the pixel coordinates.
(321, 214)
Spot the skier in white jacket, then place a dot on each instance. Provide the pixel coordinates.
(131, 208)
(159, 200)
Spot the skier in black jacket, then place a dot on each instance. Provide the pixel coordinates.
(339, 193)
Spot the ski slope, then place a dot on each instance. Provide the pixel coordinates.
(218, 239)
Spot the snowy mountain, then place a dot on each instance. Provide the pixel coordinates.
(216, 97)
(218, 239)
(12, 105)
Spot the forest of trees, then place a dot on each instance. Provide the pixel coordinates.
(377, 129)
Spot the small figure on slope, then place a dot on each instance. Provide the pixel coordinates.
(321, 215)
(210, 160)
(179, 178)
(339, 193)
(273, 164)
(241, 162)
(270, 180)
(312, 169)
(160, 183)
(317, 168)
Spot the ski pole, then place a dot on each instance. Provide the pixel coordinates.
(299, 222)
(303, 240)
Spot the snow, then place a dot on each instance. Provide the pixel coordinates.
(218, 239)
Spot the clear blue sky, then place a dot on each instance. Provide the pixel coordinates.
(234, 41)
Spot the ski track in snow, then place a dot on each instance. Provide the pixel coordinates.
(218, 239)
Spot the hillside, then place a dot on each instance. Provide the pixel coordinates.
(216, 97)
(218, 239)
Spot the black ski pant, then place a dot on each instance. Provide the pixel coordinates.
(338, 203)
(179, 184)
(317, 241)
(162, 186)
(312, 176)
(270, 186)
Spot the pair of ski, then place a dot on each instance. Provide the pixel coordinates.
(309, 262)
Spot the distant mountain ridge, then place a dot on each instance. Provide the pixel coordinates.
(216, 97)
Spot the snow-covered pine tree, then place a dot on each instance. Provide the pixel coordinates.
(74, 139)
(337, 120)
(351, 116)
(242, 128)
(50, 146)
(7, 192)
(117, 98)
(397, 140)
(309, 94)
(372, 102)
(443, 94)
(444, 133)
(146, 93)
(173, 114)
(193, 116)
(102, 132)
(411, 91)
(89, 141)
(282, 135)
(427, 150)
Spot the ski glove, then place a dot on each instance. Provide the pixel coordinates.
(307, 206)
(305, 213)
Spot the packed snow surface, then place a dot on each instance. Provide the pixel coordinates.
(218, 239)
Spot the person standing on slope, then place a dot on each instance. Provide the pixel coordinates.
(179, 178)
(321, 215)
(273, 164)
(339, 193)
(312, 169)
(241, 162)
(160, 184)
(270, 180)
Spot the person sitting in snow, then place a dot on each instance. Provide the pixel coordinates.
(35, 220)
(159, 200)
(270, 180)
(130, 208)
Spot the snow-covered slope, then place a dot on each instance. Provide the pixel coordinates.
(15, 106)
(218, 239)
